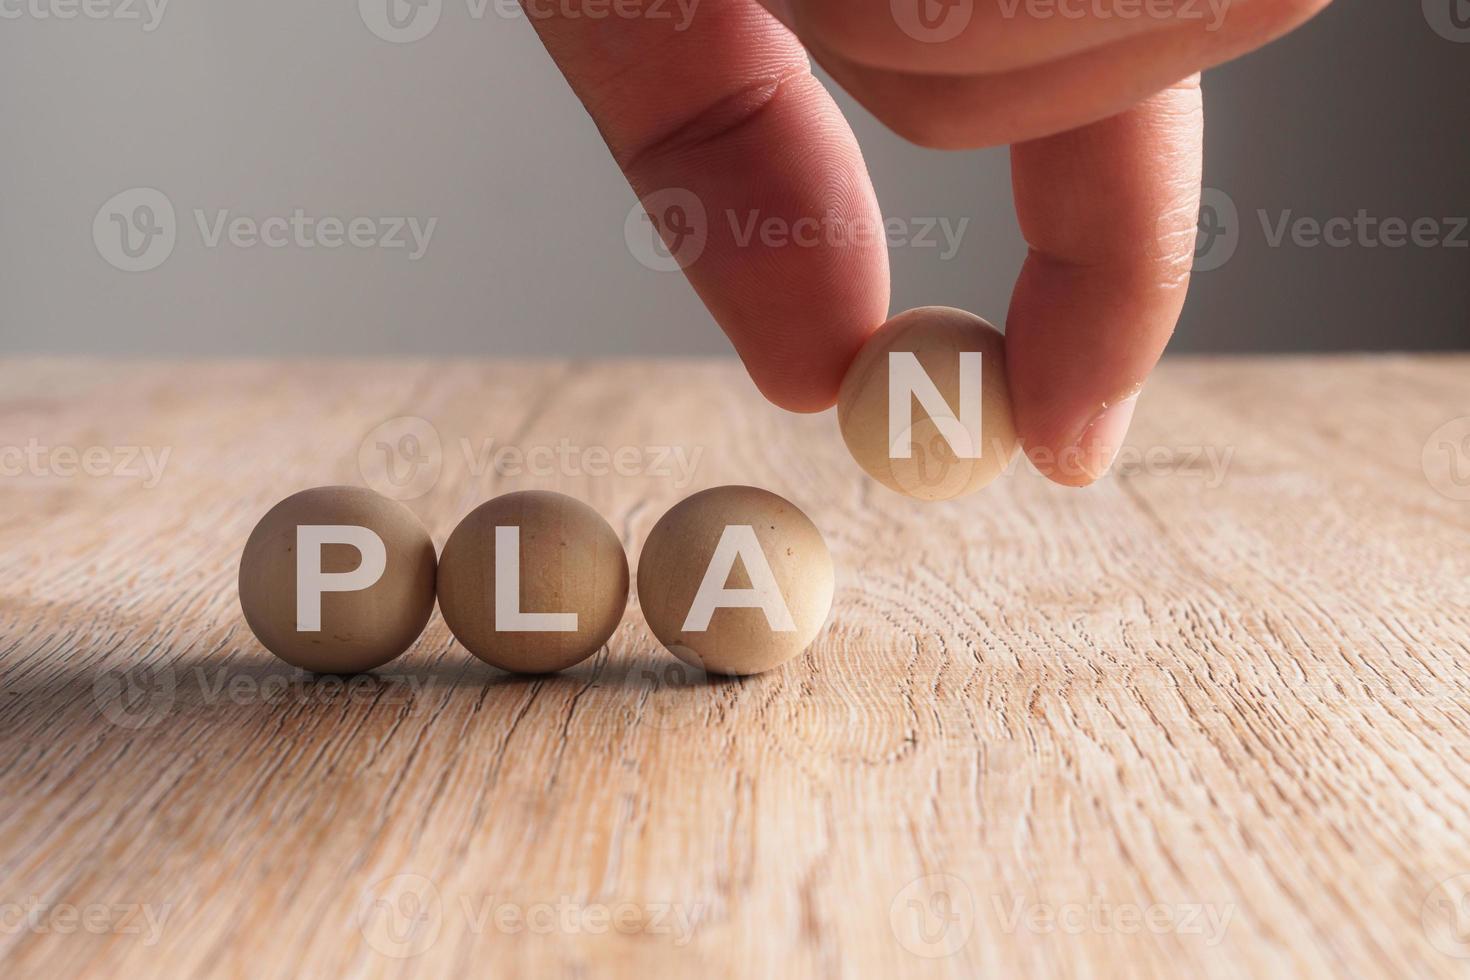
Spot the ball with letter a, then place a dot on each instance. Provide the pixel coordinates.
(735, 580)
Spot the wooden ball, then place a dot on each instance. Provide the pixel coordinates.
(337, 580)
(735, 580)
(943, 373)
(561, 573)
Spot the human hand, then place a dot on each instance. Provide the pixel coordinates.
(1102, 111)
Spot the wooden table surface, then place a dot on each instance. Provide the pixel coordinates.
(1211, 716)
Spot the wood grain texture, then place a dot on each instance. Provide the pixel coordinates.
(1235, 703)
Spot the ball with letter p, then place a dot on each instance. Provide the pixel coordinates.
(337, 580)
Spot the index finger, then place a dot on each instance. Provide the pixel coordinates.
(719, 124)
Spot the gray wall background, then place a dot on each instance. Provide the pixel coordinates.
(266, 106)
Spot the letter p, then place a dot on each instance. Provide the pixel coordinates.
(311, 581)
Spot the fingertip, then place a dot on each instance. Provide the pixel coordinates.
(809, 400)
(1082, 458)
(797, 375)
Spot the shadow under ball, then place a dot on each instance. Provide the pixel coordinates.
(360, 629)
(570, 561)
(738, 641)
(936, 336)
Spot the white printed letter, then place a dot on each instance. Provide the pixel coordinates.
(311, 581)
(907, 381)
(739, 541)
(508, 615)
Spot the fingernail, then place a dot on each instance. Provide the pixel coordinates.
(1103, 437)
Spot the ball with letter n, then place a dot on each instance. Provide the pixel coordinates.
(925, 408)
